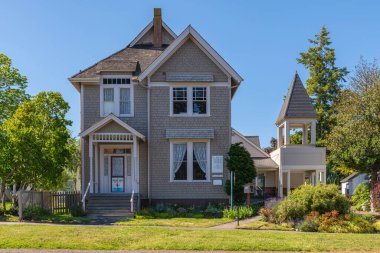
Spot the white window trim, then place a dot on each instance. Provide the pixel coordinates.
(190, 101)
(116, 88)
(189, 143)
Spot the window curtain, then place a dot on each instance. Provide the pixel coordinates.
(125, 101)
(200, 152)
(108, 101)
(179, 151)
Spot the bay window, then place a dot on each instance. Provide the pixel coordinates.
(189, 161)
(116, 94)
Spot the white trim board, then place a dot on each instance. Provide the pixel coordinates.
(175, 45)
(147, 28)
(250, 142)
(106, 120)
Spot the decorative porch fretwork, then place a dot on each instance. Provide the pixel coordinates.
(113, 137)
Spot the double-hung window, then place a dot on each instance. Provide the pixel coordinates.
(189, 161)
(116, 96)
(190, 101)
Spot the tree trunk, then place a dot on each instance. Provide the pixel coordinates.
(2, 194)
(373, 184)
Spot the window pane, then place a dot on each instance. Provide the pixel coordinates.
(119, 81)
(179, 107)
(199, 160)
(200, 100)
(200, 107)
(125, 101)
(104, 80)
(108, 101)
(128, 81)
(181, 173)
(180, 161)
(179, 100)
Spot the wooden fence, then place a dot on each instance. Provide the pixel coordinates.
(54, 202)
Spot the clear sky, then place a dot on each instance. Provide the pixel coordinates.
(50, 41)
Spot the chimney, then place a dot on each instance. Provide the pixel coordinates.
(157, 28)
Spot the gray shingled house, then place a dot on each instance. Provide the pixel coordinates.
(156, 120)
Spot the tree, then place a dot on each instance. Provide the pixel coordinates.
(12, 93)
(324, 84)
(355, 140)
(12, 88)
(38, 141)
(273, 145)
(240, 162)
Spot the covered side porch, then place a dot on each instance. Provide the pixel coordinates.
(111, 166)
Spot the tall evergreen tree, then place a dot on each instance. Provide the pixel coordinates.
(325, 82)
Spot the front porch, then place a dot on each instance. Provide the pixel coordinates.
(111, 165)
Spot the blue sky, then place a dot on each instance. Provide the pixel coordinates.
(51, 40)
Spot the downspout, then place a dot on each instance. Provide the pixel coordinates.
(148, 136)
(82, 139)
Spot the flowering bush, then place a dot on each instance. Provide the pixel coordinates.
(333, 222)
(266, 214)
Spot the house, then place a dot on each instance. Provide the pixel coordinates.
(156, 119)
(290, 165)
(350, 183)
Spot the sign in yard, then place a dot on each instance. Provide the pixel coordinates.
(217, 164)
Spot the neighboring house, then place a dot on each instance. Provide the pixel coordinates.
(156, 118)
(350, 183)
(290, 165)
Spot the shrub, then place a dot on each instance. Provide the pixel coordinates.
(244, 212)
(33, 212)
(308, 226)
(2, 211)
(77, 211)
(308, 198)
(376, 226)
(12, 211)
(333, 222)
(266, 214)
(361, 196)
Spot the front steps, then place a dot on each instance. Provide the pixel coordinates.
(110, 206)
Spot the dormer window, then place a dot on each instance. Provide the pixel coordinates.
(116, 96)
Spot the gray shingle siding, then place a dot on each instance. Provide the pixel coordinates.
(189, 58)
(189, 133)
(219, 121)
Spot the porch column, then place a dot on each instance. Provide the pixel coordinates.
(280, 189)
(313, 132)
(279, 136)
(135, 165)
(304, 134)
(90, 151)
(318, 177)
(288, 184)
(324, 176)
(287, 132)
(96, 168)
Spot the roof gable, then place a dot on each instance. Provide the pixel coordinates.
(111, 118)
(297, 103)
(148, 29)
(177, 43)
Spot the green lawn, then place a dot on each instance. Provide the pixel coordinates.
(175, 222)
(128, 238)
(262, 225)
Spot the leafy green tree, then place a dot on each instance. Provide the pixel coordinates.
(12, 93)
(324, 84)
(39, 142)
(361, 196)
(355, 140)
(12, 88)
(240, 162)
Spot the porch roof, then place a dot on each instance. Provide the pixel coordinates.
(111, 117)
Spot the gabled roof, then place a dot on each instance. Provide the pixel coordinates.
(254, 139)
(176, 44)
(350, 177)
(297, 103)
(101, 123)
(146, 30)
(234, 131)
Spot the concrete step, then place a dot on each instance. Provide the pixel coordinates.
(95, 208)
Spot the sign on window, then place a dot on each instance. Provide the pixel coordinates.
(217, 164)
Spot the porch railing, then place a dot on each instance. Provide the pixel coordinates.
(121, 137)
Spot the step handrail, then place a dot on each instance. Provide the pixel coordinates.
(84, 197)
(132, 201)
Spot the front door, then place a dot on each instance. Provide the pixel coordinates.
(117, 174)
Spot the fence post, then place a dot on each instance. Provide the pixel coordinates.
(20, 204)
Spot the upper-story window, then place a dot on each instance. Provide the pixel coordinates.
(116, 96)
(190, 101)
